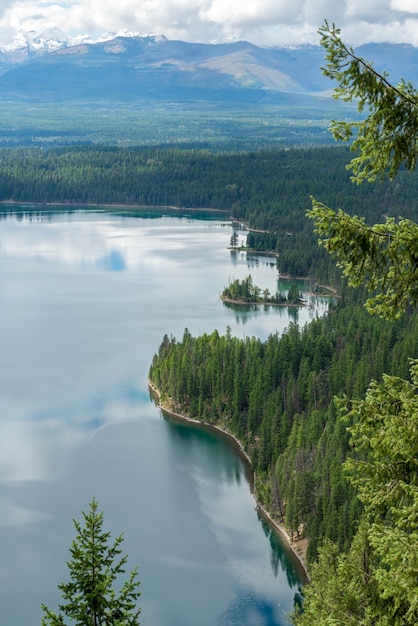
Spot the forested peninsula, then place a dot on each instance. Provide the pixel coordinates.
(328, 413)
(277, 397)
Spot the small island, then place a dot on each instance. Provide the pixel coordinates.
(245, 292)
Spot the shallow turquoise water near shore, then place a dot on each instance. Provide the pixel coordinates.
(86, 299)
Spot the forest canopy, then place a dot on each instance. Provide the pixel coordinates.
(375, 582)
(342, 473)
(268, 191)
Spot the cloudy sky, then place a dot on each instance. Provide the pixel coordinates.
(270, 22)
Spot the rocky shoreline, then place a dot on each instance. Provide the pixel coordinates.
(298, 548)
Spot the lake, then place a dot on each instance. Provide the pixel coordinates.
(86, 298)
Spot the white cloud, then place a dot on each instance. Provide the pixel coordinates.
(274, 22)
(409, 6)
(249, 14)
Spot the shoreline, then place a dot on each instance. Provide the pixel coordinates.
(262, 303)
(116, 205)
(297, 553)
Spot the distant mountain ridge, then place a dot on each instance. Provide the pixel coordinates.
(54, 67)
(28, 45)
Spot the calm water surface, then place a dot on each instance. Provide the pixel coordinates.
(86, 298)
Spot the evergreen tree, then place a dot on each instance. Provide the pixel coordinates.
(90, 598)
(383, 256)
(375, 584)
(387, 138)
(385, 471)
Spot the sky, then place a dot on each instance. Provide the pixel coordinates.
(263, 22)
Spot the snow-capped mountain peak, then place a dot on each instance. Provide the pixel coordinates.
(54, 39)
(49, 40)
(28, 45)
(108, 36)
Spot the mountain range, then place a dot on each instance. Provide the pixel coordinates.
(129, 67)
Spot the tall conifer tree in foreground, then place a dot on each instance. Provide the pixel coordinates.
(376, 582)
(90, 598)
(383, 256)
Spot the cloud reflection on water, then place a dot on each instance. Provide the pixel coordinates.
(14, 515)
(86, 299)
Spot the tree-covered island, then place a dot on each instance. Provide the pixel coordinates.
(245, 292)
(341, 476)
(328, 413)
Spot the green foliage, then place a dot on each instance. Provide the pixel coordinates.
(387, 138)
(277, 397)
(294, 296)
(90, 598)
(381, 566)
(267, 190)
(383, 256)
(244, 291)
(297, 121)
(234, 239)
(385, 472)
(343, 591)
(376, 582)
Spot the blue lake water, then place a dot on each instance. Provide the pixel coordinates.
(86, 298)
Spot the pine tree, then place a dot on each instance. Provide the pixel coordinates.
(375, 583)
(385, 471)
(90, 598)
(383, 256)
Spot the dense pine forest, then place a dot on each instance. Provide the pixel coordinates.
(269, 191)
(276, 396)
(328, 413)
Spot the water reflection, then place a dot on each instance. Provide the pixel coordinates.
(86, 301)
(247, 609)
(315, 307)
(229, 507)
(281, 557)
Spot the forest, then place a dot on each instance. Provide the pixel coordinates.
(268, 190)
(280, 403)
(328, 412)
(245, 292)
(277, 398)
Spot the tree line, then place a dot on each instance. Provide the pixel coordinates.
(374, 583)
(268, 190)
(333, 423)
(328, 412)
(277, 398)
(245, 292)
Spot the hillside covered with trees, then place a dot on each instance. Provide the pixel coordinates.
(328, 413)
(277, 398)
(342, 473)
